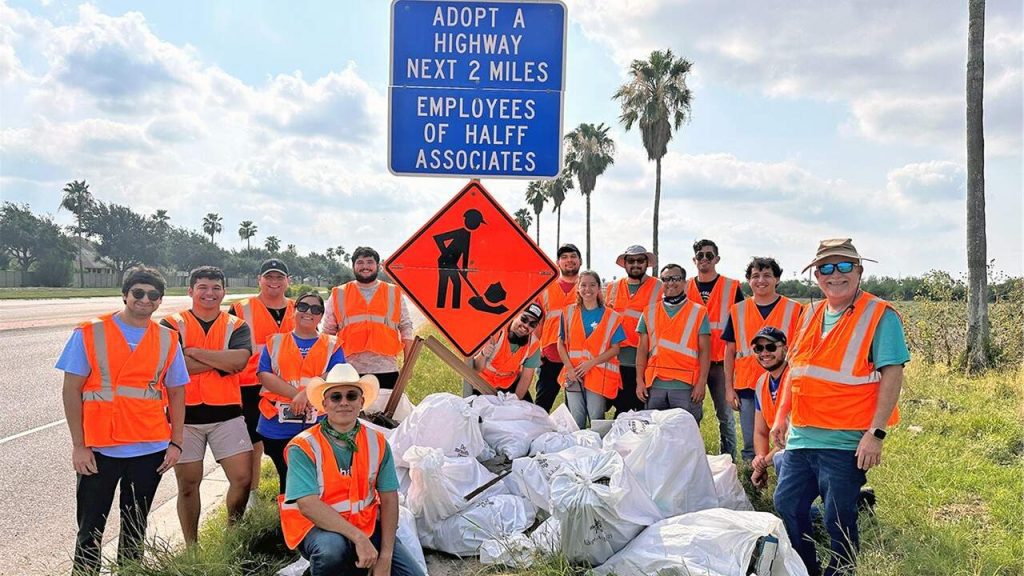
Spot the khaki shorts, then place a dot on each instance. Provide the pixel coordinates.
(225, 439)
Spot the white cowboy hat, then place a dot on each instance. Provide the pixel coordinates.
(342, 375)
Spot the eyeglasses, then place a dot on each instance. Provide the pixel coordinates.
(529, 320)
(351, 396)
(636, 260)
(771, 347)
(314, 309)
(139, 294)
(843, 267)
(708, 255)
(668, 279)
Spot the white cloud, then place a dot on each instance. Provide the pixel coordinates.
(935, 181)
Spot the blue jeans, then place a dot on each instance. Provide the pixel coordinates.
(585, 404)
(668, 398)
(726, 421)
(331, 554)
(747, 408)
(832, 474)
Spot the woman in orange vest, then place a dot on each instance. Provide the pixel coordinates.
(286, 364)
(588, 343)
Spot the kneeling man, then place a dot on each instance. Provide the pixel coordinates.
(341, 501)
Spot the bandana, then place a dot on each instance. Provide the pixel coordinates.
(346, 438)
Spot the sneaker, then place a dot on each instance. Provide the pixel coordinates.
(866, 500)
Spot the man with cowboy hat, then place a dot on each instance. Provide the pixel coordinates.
(341, 502)
(629, 297)
(845, 375)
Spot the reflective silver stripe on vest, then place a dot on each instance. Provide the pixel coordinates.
(393, 297)
(179, 321)
(228, 331)
(726, 297)
(787, 318)
(759, 387)
(331, 344)
(740, 329)
(106, 391)
(845, 373)
(613, 292)
(680, 346)
(247, 314)
(632, 313)
(372, 442)
(274, 344)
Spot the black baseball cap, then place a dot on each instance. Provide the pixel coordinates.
(534, 310)
(568, 248)
(771, 334)
(273, 265)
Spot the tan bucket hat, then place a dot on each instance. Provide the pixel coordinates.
(342, 375)
(836, 247)
(635, 250)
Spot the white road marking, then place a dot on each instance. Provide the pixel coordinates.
(32, 431)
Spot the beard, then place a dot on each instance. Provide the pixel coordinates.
(636, 275)
(517, 339)
(365, 279)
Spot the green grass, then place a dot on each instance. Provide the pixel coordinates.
(40, 293)
(949, 489)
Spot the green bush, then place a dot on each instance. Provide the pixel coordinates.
(295, 289)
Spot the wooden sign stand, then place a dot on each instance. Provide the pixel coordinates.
(448, 357)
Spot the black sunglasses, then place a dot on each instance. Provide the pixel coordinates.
(843, 267)
(636, 260)
(667, 279)
(351, 396)
(314, 309)
(709, 255)
(771, 347)
(529, 320)
(139, 294)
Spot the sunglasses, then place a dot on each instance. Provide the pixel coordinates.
(529, 320)
(139, 294)
(314, 309)
(709, 255)
(667, 279)
(771, 347)
(636, 260)
(843, 267)
(351, 396)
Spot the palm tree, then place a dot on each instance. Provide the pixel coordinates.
(79, 201)
(212, 225)
(536, 196)
(977, 355)
(272, 244)
(658, 100)
(556, 189)
(524, 219)
(246, 230)
(161, 217)
(590, 153)
(342, 254)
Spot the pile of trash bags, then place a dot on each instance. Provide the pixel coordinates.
(498, 478)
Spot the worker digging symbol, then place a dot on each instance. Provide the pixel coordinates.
(453, 268)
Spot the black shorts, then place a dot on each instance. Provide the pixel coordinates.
(251, 411)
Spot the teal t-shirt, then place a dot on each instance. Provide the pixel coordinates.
(533, 361)
(302, 472)
(641, 328)
(888, 348)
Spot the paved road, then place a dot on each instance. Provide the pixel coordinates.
(38, 485)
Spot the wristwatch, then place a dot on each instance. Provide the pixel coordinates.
(878, 433)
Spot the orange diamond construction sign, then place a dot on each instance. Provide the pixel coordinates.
(471, 268)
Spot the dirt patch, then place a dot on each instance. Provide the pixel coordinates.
(439, 564)
(973, 509)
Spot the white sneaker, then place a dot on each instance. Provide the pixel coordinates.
(297, 568)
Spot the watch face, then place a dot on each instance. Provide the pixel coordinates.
(878, 433)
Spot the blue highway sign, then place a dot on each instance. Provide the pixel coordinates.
(476, 88)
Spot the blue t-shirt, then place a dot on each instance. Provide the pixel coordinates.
(75, 361)
(888, 348)
(773, 389)
(270, 427)
(591, 318)
(302, 476)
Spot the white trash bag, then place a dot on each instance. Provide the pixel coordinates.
(509, 425)
(665, 451)
(402, 411)
(532, 476)
(557, 441)
(715, 542)
(440, 483)
(493, 518)
(442, 421)
(407, 536)
(730, 490)
(563, 420)
(600, 507)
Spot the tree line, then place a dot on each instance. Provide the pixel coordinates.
(124, 238)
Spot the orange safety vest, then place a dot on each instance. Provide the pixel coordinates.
(764, 393)
(718, 305)
(209, 387)
(122, 397)
(501, 368)
(352, 495)
(746, 321)
(369, 326)
(834, 385)
(603, 379)
(261, 326)
(287, 363)
(554, 301)
(674, 343)
(631, 307)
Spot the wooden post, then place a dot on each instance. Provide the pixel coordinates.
(403, 377)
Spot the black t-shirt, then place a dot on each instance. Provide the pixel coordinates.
(729, 335)
(241, 339)
(705, 289)
(276, 313)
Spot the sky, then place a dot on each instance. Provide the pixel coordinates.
(808, 121)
